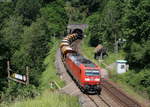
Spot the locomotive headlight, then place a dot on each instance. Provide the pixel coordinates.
(87, 79)
(97, 79)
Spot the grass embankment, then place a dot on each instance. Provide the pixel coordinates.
(119, 79)
(49, 99)
(49, 75)
(49, 96)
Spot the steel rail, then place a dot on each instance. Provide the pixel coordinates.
(93, 101)
(104, 101)
(120, 97)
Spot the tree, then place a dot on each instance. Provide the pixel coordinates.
(6, 9)
(12, 33)
(105, 26)
(136, 21)
(137, 32)
(28, 9)
(56, 19)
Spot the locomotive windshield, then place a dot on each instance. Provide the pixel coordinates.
(92, 72)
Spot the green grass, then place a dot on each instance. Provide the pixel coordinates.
(49, 99)
(49, 75)
(112, 57)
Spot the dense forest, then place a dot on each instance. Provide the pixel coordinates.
(26, 29)
(27, 26)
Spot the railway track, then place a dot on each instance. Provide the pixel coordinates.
(99, 101)
(120, 97)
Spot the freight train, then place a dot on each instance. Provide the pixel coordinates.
(86, 74)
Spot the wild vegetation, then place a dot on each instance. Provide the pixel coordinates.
(28, 26)
(26, 31)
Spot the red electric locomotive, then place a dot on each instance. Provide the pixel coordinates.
(84, 72)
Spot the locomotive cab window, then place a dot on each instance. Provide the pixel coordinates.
(92, 72)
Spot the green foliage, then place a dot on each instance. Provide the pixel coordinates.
(3, 55)
(29, 9)
(123, 20)
(79, 10)
(33, 49)
(18, 93)
(105, 25)
(75, 14)
(140, 81)
(34, 43)
(12, 24)
(136, 21)
(93, 31)
(49, 99)
(56, 19)
(12, 31)
(91, 6)
(10, 41)
(137, 32)
(138, 55)
(6, 9)
(27, 28)
(24, 38)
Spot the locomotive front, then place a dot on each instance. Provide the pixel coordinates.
(91, 81)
